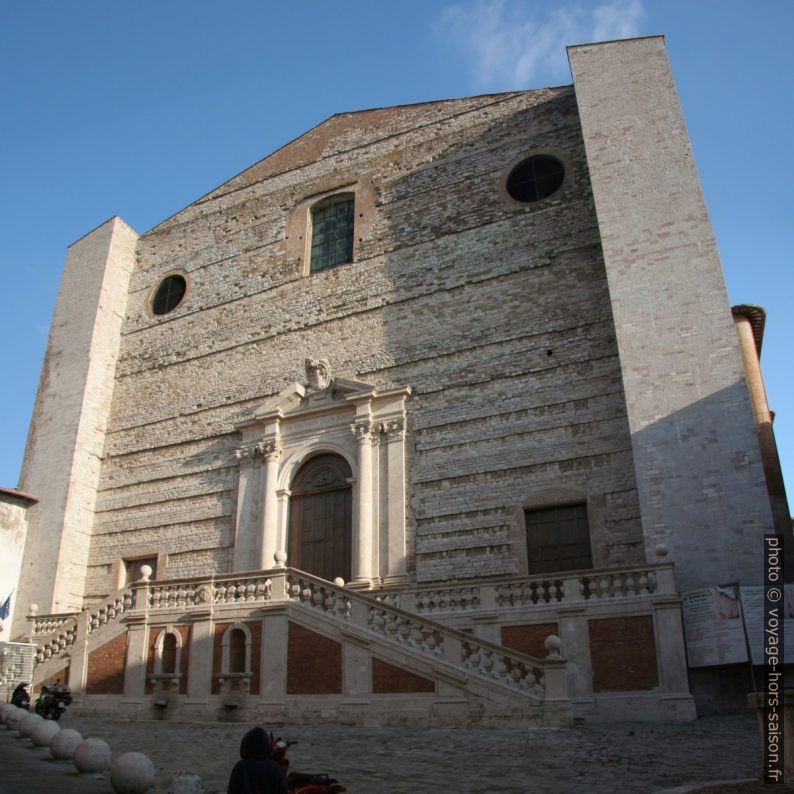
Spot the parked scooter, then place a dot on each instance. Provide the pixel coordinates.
(53, 700)
(21, 696)
(302, 782)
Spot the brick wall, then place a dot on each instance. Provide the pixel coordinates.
(314, 663)
(529, 639)
(105, 673)
(62, 675)
(623, 654)
(388, 678)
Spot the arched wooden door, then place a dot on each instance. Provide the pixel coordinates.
(321, 518)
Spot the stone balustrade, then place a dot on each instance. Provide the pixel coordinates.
(477, 656)
(396, 615)
(565, 588)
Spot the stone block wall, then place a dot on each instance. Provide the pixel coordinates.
(65, 445)
(699, 472)
(496, 314)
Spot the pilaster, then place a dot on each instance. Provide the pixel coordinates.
(67, 433)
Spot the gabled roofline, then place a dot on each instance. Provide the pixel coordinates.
(350, 113)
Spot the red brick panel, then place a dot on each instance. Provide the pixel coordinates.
(388, 678)
(314, 663)
(105, 675)
(255, 627)
(528, 639)
(623, 654)
(61, 675)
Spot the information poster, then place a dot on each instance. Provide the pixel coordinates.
(713, 627)
(752, 599)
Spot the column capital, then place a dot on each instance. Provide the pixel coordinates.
(364, 429)
(247, 453)
(394, 429)
(270, 450)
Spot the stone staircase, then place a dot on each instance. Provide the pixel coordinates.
(473, 679)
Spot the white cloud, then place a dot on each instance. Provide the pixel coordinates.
(515, 45)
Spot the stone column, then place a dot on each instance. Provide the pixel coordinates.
(269, 542)
(137, 643)
(357, 679)
(282, 514)
(676, 701)
(275, 631)
(248, 522)
(363, 536)
(199, 672)
(574, 633)
(78, 661)
(395, 457)
(135, 661)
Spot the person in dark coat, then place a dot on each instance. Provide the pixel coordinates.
(257, 772)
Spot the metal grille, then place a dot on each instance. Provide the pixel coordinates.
(535, 178)
(16, 665)
(332, 235)
(169, 295)
(558, 539)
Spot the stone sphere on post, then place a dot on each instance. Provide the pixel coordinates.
(64, 743)
(45, 732)
(146, 573)
(92, 756)
(28, 724)
(132, 773)
(552, 644)
(15, 717)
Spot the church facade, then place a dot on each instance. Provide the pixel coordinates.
(432, 413)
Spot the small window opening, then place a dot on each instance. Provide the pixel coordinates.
(332, 234)
(169, 654)
(237, 651)
(535, 178)
(169, 294)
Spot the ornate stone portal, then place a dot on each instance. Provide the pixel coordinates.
(328, 415)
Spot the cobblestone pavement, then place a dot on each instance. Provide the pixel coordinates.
(623, 758)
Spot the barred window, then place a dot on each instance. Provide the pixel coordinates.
(558, 539)
(332, 233)
(169, 294)
(535, 178)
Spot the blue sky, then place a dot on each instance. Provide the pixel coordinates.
(136, 109)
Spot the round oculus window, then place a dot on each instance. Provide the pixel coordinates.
(169, 294)
(535, 178)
